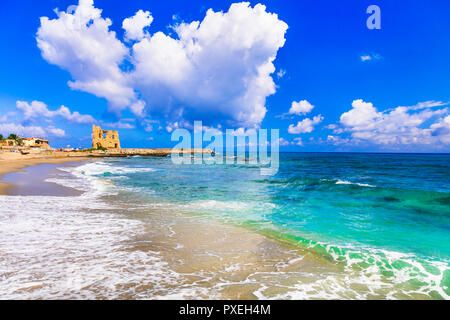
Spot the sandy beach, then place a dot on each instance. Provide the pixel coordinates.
(143, 228)
(179, 255)
(14, 162)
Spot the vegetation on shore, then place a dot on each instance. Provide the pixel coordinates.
(16, 138)
(90, 150)
(13, 137)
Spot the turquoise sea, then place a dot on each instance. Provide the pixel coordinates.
(378, 225)
(390, 212)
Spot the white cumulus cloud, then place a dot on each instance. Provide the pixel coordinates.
(80, 41)
(301, 107)
(362, 114)
(38, 109)
(421, 124)
(216, 70)
(23, 131)
(305, 126)
(134, 26)
(30, 131)
(57, 132)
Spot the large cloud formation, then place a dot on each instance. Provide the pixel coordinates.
(216, 70)
(422, 124)
(81, 43)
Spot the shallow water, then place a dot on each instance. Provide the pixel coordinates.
(354, 226)
(30, 181)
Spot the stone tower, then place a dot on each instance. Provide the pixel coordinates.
(104, 138)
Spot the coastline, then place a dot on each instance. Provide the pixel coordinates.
(196, 247)
(17, 164)
(15, 161)
(185, 242)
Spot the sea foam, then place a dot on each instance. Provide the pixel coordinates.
(75, 247)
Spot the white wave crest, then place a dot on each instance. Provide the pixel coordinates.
(355, 183)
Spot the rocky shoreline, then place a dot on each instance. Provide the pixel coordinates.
(141, 152)
(51, 154)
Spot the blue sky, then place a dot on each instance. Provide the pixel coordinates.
(353, 89)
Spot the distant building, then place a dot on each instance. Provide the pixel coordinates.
(104, 138)
(36, 143)
(26, 142)
(8, 143)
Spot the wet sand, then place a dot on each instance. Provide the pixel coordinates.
(222, 261)
(31, 179)
(109, 248)
(206, 259)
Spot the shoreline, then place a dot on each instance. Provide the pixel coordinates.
(187, 247)
(16, 161)
(244, 262)
(17, 165)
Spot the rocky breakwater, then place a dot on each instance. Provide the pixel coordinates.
(140, 152)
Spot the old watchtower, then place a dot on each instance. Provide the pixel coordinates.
(104, 138)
